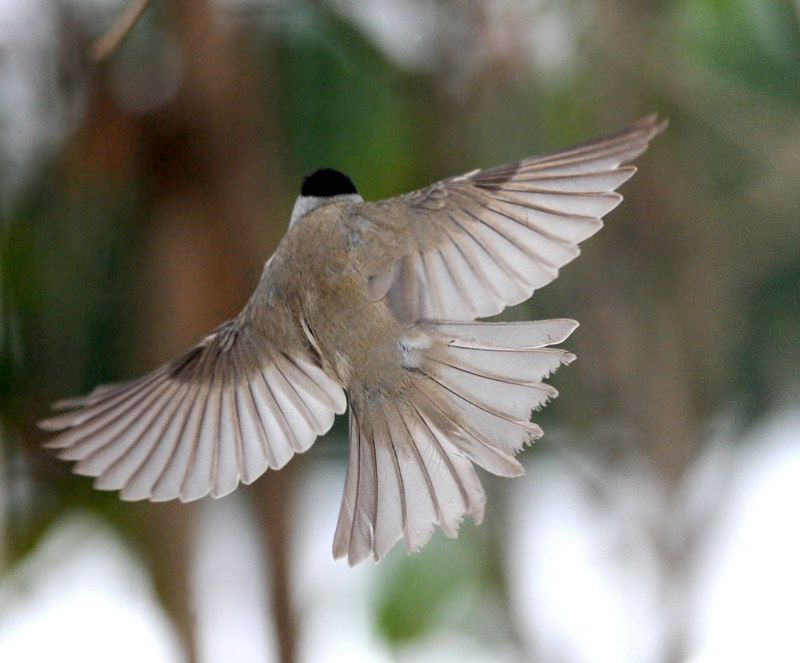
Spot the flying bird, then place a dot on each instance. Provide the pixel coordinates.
(378, 300)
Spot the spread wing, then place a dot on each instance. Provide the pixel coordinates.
(224, 412)
(469, 246)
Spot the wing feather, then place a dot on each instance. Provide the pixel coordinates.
(510, 228)
(131, 451)
(221, 414)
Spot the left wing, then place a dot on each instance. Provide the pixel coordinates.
(228, 409)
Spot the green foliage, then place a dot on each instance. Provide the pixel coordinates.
(769, 350)
(758, 41)
(342, 104)
(421, 594)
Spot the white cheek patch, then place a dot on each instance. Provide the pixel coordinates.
(305, 204)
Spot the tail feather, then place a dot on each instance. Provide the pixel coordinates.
(475, 446)
(393, 504)
(354, 531)
(500, 397)
(504, 364)
(468, 398)
(405, 477)
(508, 335)
(453, 486)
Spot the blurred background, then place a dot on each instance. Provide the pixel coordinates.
(139, 197)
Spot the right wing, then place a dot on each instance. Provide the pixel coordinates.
(469, 246)
(226, 411)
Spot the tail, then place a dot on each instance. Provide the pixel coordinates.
(467, 398)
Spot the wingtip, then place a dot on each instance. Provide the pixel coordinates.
(652, 123)
(50, 425)
(68, 403)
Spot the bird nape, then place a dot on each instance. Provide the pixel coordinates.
(378, 300)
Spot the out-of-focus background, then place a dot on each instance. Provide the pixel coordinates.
(139, 197)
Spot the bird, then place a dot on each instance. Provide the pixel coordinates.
(371, 308)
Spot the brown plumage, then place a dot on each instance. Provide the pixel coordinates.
(376, 299)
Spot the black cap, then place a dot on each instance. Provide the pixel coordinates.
(327, 182)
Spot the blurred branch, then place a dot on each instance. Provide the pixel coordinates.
(273, 507)
(111, 40)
